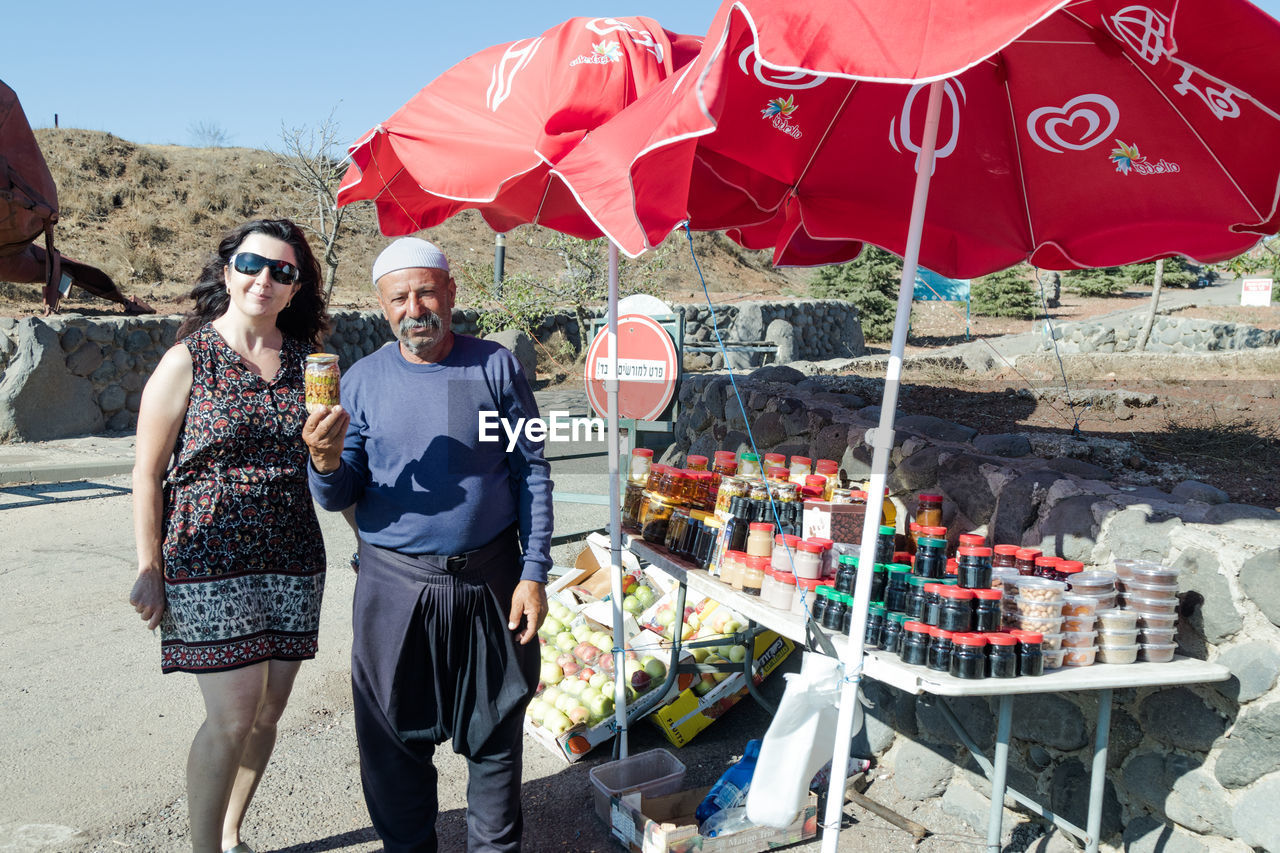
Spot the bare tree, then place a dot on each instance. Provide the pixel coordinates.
(1157, 283)
(209, 134)
(311, 163)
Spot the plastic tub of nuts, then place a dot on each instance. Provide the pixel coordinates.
(1152, 590)
(1118, 654)
(1079, 656)
(1153, 606)
(1157, 652)
(1154, 573)
(1053, 659)
(1003, 578)
(1037, 607)
(1156, 621)
(1051, 642)
(1035, 588)
(1078, 639)
(1041, 624)
(1158, 636)
(1122, 637)
(1079, 605)
(1093, 583)
(1117, 620)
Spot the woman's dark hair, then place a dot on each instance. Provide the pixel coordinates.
(304, 319)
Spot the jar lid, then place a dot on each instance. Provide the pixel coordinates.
(969, 639)
(777, 472)
(879, 567)
(886, 530)
(937, 532)
(849, 560)
(766, 526)
(750, 457)
(825, 543)
(693, 459)
(929, 542)
(1099, 578)
(899, 618)
(809, 583)
(816, 480)
(1007, 550)
(858, 494)
(322, 357)
(953, 567)
(1068, 567)
(791, 539)
(784, 577)
(952, 581)
(726, 454)
(916, 627)
(642, 451)
(754, 561)
(999, 639)
(811, 491)
(944, 635)
(898, 569)
(737, 555)
(975, 539)
(780, 539)
(931, 499)
(1030, 638)
(826, 589)
(810, 547)
(775, 457)
(974, 551)
(801, 460)
(919, 581)
(987, 594)
(826, 466)
(1048, 561)
(913, 527)
(934, 587)
(1028, 553)
(874, 609)
(903, 557)
(956, 592)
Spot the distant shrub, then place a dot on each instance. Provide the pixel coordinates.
(1178, 272)
(871, 283)
(1007, 293)
(1104, 281)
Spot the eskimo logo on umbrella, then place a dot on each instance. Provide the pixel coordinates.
(776, 79)
(779, 111)
(601, 54)
(517, 55)
(1078, 125)
(1148, 34)
(1129, 161)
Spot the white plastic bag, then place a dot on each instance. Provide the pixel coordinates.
(799, 741)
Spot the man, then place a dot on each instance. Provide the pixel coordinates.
(455, 535)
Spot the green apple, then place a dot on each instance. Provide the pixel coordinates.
(587, 693)
(598, 680)
(581, 632)
(700, 653)
(645, 595)
(572, 686)
(537, 710)
(565, 641)
(551, 626)
(558, 609)
(737, 654)
(566, 701)
(550, 672)
(550, 695)
(632, 605)
(657, 669)
(556, 722)
(548, 652)
(600, 707)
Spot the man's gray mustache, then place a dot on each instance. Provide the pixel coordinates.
(410, 324)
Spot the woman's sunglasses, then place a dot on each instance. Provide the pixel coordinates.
(251, 264)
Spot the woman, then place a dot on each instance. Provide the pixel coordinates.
(230, 559)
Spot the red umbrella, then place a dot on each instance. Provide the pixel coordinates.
(485, 133)
(1072, 134)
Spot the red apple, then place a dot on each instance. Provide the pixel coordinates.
(640, 680)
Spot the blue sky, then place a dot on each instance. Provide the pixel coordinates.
(151, 71)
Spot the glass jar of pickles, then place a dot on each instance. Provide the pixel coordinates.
(320, 378)
(641, 465)
(730, 488)
(749, 466)
(801, 467)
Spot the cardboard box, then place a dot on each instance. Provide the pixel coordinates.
(688, 713)
(665, 824)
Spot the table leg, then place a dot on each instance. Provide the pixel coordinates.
(999, 774)
(1098, 774)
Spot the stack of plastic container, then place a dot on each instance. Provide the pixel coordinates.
(1151, 591)
(1037, 607)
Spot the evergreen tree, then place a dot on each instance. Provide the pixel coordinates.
(1007, 293)
(871, 283)
(1178, 272)
(1104, 281)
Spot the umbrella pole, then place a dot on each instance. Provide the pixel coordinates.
(882, 441)
(620, 680)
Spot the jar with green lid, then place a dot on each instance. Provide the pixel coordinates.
(821, 598)
(885, 544)
(834, 613)
(915, 597)
(931, 557)
(749, 466)
(895, 591)
(847, 573)
(891, 636)
(875, 626)
(879, 580)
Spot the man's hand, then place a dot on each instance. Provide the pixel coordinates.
(528, 601)
(324, 433)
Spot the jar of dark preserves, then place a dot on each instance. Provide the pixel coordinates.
(969, 656)
(676, 527)
(1005, 556)
(932, 603)
(931, 557)
(956, 613)
(833, 615)
(1002, 655)
(875, 627)
(891, 635)
(885, 544)
(915, 643)
(1047, 568)
(848, 612)
(847, 573)
(1030, 656)
(972, 540)
(974, 567)
(915, 597)
(986, 610)
(940, 648)
(657, 515)
(1025, 560)
(895, 592)
(820, 602)
(879, 581)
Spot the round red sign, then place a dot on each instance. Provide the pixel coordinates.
(648, 368)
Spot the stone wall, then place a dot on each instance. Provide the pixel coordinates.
(1168, 334)
(73, 375)
(1192, 768)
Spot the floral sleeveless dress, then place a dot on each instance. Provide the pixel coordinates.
(243, 557)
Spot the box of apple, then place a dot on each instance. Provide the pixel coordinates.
(575, 698)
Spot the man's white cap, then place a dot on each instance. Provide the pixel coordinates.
(409, 253)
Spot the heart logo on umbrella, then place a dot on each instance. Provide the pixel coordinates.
(1099, 114)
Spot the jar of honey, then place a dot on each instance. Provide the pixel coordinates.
(321, 380)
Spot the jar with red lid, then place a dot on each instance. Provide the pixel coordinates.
(801, 467)
(913, 534)
(1002, 655)
(1068, 569)
(753, 574)
(933, 603)
(1047, 567)
(775, 460)
(807, 559)
(827, 557)
(695, 462)
(975, 540)
(929, 510)
(956, 611)
(915, 643)
(940, 650)
(1025, 560)
(641, 465)
(973, 566)
(760, 539)
(969, 656)
(986, 610)
(1004, 556)
(820, 481)
(1030, 654)
(724, 464)
(828, 467)
(776, 474)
